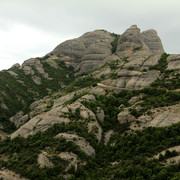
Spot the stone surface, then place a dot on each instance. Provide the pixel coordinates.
(132, 42)
(100, 114)
(108, 136)
(125, 117)
(72, 158)
(6, 174)
(43, 160)
(40, 123)
(92, 46)
(152, 40)
(173, 61)
(95, 128)
(17, 65)
(12, 73)
(36, 79)
(80, 141)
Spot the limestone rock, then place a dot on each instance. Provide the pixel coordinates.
(129, 41)
(12, 73)
(92, 46)
(36, 79)
(100, 114)
(80, 141)
(108, 136)
(43, 160)
(152, 40)
(17, 65)
(125, 117)
(72, 158)
(6, 174)
(40, 122)
(165, 119)
(29, 62)
(96, 129)
(132, 42)
(28, 70)
(19, 119)
(173, 61)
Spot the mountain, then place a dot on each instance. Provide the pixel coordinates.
(101, 106)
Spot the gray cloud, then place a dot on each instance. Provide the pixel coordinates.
(62, 19)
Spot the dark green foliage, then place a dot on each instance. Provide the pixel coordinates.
(18, 96)
(131, 68)
(162, 63)
(114, 75)
(113, 65)
(154, 98)
(110, 105)
(169, 79)
(114, 43)
(137, 48)
(82, 82)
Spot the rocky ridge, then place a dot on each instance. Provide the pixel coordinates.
(133, 67)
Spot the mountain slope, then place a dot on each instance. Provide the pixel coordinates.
(97, 107)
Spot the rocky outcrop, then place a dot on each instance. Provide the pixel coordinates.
(95, 128)
(12, 73)
(40, 123)
(151, 39)
(80, 141)
(159, 117)
(100, 114)
(17, 65)
(173, 61)
(132, 79)
(125, 117)
(6, 174)
(172, 160)
(108, 136)
(132, 42)
(71, 158)
(19, 119)
(43, 160)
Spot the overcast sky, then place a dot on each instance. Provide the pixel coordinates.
(32, 28)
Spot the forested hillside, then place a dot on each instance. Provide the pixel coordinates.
(102, 106)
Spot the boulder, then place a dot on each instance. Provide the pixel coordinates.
(125, 117)
(80, 141)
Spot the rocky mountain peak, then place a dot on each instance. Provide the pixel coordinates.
(93, 49)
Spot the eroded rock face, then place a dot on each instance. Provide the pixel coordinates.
(129, 41)
(125, 117)
(72, 158)
(40, 122)
(152, 40)
(43, 160)
(80, 141)
(10, 175)
(173, 61)
(140, 44)
(92, 46)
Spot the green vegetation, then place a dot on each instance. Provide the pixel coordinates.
(130, 153)
(162, 63)
(18, 93)
(114, 75)
(114, 43)
(83, 82)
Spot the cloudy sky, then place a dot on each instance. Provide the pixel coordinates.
(32, 28)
